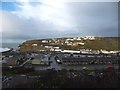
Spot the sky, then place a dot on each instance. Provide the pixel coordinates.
(24, 20)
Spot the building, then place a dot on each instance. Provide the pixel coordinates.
(78, 38)
(44, 41)
(108, 52)
(81, 43)
(48, 47)
(3, 50)
(34, 44)
(89, 37)
(70, 51)
(78, 59)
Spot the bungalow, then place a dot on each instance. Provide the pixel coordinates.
(89, 37)
(59, 50)
(48, 46)
(78, 38)
(34, 44)
(69, 44)
(81, 43)
(44, 41)
(108, 52)
(56, 47)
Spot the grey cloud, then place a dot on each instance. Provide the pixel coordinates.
(98, 19)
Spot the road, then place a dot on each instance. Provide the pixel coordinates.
(25, 62)
(52, 65)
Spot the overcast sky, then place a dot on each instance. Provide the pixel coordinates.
(55, 18)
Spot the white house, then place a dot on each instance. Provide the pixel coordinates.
(108, 52)
(79, 39)
(81, 43)
(44, 41)
(34, 44)
(70, 51)
(89, 37)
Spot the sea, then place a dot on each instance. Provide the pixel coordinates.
(10, 45)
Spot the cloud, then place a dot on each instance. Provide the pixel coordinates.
(45, 19)
(96, 18)
(52, 11)
(12, 26)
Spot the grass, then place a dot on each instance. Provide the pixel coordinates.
(105, 43)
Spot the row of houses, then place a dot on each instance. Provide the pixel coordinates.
(87, 61)
(89, 38)
(80, 38)
(77, 59)
(69, 41)
(85, 51)
(74, 44)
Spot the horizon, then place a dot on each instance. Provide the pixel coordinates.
(48, 38)
(16, 44)
(70, 37)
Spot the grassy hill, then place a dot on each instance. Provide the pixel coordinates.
(106, 43)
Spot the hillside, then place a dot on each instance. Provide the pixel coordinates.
(96, 43)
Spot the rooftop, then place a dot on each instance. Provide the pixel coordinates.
(4, 49)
